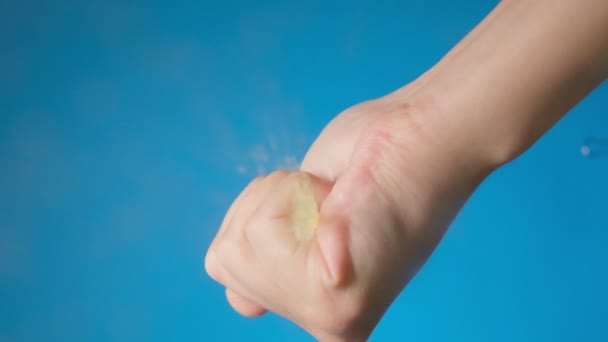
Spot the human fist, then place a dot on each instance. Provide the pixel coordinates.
(274, 252)
(331, 246)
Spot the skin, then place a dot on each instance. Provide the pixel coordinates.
(331, 246)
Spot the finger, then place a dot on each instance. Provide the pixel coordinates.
(211, 262)
(286, 221)
(300, 183)
(247, 285)
(236, 205)
(218, 272)
(234, 264)
(246, 205)
(243, 305)
(338, 214)
(332, 252)
(214, 268)
(264, 189)
(230, 254)
(297, 198)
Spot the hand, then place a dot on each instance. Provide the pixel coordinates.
(331, 246)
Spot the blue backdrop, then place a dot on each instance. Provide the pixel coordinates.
(127, 127)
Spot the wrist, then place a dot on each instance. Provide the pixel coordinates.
(433, 168)
(432, 127)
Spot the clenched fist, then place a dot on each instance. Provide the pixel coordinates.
(332, 245)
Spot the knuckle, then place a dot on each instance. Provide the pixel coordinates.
(251, 186)
(255, 183)
(211, 265)
(232, 249)
(222, 257)
(277, 176)
(257, 180)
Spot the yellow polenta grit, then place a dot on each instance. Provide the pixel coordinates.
(305, 210)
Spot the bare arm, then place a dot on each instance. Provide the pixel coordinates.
(389, 175)
(516, 74)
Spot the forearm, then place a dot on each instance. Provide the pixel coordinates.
(514, 76)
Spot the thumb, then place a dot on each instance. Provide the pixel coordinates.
(343, 208)
(333, 231)
(312, 206)
(316, 216)
(332, 240)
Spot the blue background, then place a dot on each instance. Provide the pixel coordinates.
(126, 129)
